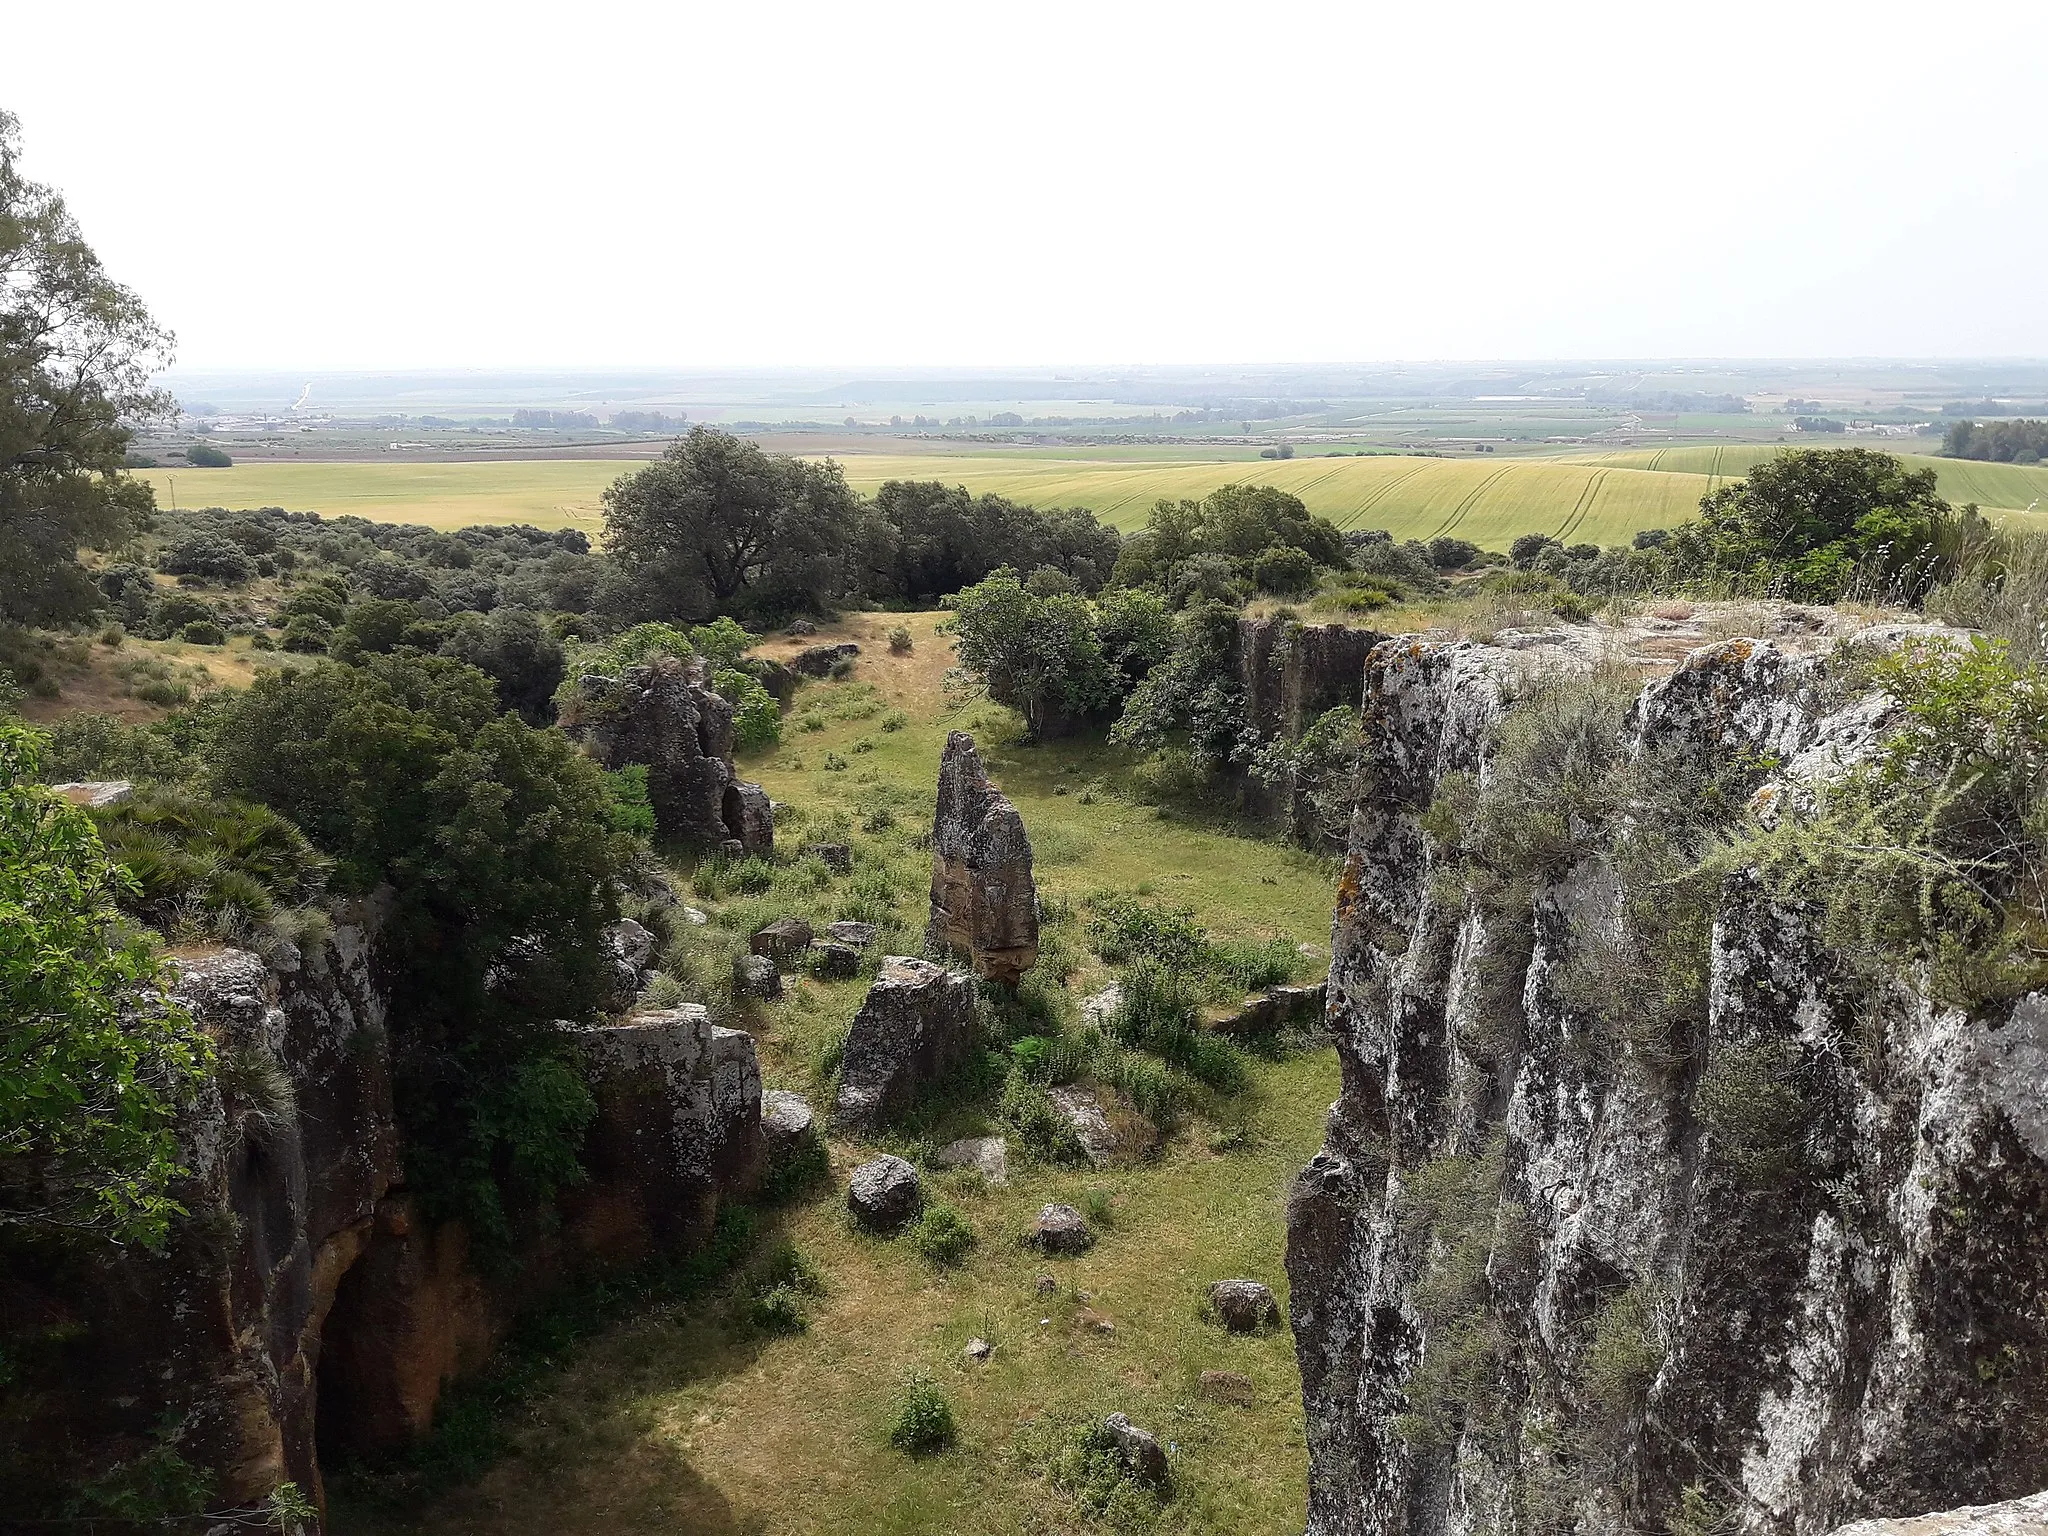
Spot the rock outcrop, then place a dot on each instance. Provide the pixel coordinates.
(984, 899)
(307, 1285)
(917, 1023)
(665, 715)
(2016, 1517)
(1293, 673)
(1527, 1294)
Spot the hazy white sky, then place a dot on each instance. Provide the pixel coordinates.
(433, 184)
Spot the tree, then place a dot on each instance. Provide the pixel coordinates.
(1040, 655)
(1192, 699)
(509, 646)
(95, 1061)
(717, 526)
(77, 351)
(1807, 523)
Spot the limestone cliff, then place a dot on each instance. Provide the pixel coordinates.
(306, 1302)
(1525, 1294)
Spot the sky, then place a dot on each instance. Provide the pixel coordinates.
(686, 185)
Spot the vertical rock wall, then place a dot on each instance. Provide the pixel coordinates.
(1871, 1339)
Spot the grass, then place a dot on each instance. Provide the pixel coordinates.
(1602, 498)
(718, 1416)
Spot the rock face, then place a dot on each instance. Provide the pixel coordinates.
(2019, 1517)
(665, 715)
(1637, 1322)
(1292, 673)
(308, 1285)
(987, 1155)
(984, 900)
(917, 1023)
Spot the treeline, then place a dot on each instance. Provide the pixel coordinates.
(2000, 442)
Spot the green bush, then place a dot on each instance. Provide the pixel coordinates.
(203, 632)
(941, 1237)
(216, 867)
(626, 793)
(899, 640)
(756, 717)
(1043, 1133)
(1123, 929)
(924, 1419)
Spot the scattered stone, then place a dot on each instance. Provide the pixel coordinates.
(837, 857)
(783, 941)
(1101, 1007)
(801, 627)
(859, 935)
(834, 962)
(1061, 1229)
(978, 1350)
(786, 1122)
(696, 917)
(756, 976)
(1143, 1456)
(1084, 1116)
(984, 900)
(885, 1193)
(95, 794)
(1244, 1306)
(732, 850)
(917, 1024)
(631, 942)
(818, 660)
(1046, 1286)
(1228, 1387)
(666, 715)
(989, 1154)
(1094, 1321)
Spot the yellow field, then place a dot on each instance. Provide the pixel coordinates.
(1599, 498)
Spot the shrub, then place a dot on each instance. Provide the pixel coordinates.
(1285, 571)
(756, 717)
(1123, 929)
(835, 763)
(941, 1237)
(899, 640)
(203, 632)
(1251, 965)
(218, 867)
(626, 791)
(306, 634)
(895, 720)
(779, 1309)
(1042, 1131)
(924, 1419)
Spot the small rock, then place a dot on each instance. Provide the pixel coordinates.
(756, 976)
(801, 627)
(1245, 1306)
(834, 962)
(696, 917)
(884, 1193)
(786, 1121)
(989, 1154)
(1227, 1387)
(1100, 1008)
(837, 857)
(978, 1350)
(1094, 1321)
(732, 850)
(95, 794)
(1061, 1229)
(1047, 1286)
(1083, 1113)
(782, 941)
(1142, 1454)
(859, 935)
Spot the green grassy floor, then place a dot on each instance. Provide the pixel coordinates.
(690, 1420)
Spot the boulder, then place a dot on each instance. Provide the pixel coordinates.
(696, 917)
(1085, 1118)
(837, 857)
(859, 935)
(786, 1123)
(978, 1350)
(1243, 1306)
(783, 941)
(95, 794)
(1061, 1229)
(885, 1193)
(756, 976)
(834, 962)
(984, 899)
(800, 627)
(1144, 1458)
(1228, 1387)
(664, 714)
(818, 660)
(772, 675)
(631, 942)
(988, 1154)
(1275, 1009)
(917, 1023)
(1100, 1007)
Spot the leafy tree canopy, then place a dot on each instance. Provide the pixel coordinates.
(77, 351)
(1039, 654)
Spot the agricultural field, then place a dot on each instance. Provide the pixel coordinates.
(688, 1417)
(1599, 498)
